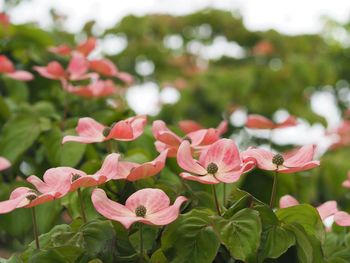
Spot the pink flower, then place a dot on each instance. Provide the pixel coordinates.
(168, 140)
(134, 171)
(86, 47)
(90, 131)
(298, 160)
(4, 163)
(260, 122)
(188, 126)
(221, 162)
(8, 69)
(325, 210)
(99, 88)
(343, 134)
(76, 178)
(148, 206)
(106, 68)
(4, 20)
(346, 183)
(25, 197)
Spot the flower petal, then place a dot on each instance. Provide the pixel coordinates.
(87, 46)
(148, 169)
(153, 199)
(17, 199)
(77, 67)
(256, 121)
(206, 179)
(263, 158)
(104, 67)
(288, 201)
(112, 210)
(300, 156)
(109, 167)
(306, 166)
(167, 215)
(186, 161)
(327, 209)
(188, 126)
(162, 133)
(20, 75)
(342, 218)
(4, 163)
(89, 131)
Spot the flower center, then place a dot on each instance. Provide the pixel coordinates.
(140, 211)
(278, 159)
(75, 177)
(106, 131)
(212, 168)
(186, 138)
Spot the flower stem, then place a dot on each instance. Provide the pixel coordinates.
(274, 188)
(141, 242)
(35, 228)
(82, 207)
(216, 199)
(224, 195)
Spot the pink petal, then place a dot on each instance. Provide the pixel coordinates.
(234, 175)
(222, 128)
(306, 166)
(104, 67)
(53, 70)
(86, 47)
(125, 77)
(327, 209)
(77, 67)
(346, 183)
(89, 131)
(124, 169)
(148, 169)
(109, 167)
(255, 121)
(20, 75)
(129, 129)
(172, 150)
(224, 153)
(112, 210)
(342, 218)
(167, 215)
(4, 163)
(300, 157)
(43, 198)
(186, 161)
(154, 200)
(63, 50)
(188, 126)
(290, 121)
(288, 201)
(6, 66)
(163, 134)
(206, 179)
(97, 89)
(17, 199)
(263, 158)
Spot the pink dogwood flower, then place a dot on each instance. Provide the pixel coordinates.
(84, 48)
(99, 88)
(188, 126)
(346, 183)
(166, 139)
(63, 50)
(148, 206)
(221, 162)
(298, 160)
(8, 69)
(4, 163)
(76, 178)
(53, 70)
(256, 121)
(134, 171)
(325, 210)
(91, 131)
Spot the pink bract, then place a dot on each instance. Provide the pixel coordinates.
(4, 163)
(168, 140)
(148, 206)
(53, 70)
(99, 88)
(188, 126)
(256, 121)
(91, 131)
(325, 210)
(8, 69)
(298, 160)
(134, 171)
(221, 162)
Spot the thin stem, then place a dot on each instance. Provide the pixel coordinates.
(274, 188)
(216, 199)
(65, 110)
(35, 228)
(141, 242)
(224, 195)
(82, 207)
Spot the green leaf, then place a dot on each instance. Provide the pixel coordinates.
(190, 239)
(58, 154)
(240, 234)
(18, 134)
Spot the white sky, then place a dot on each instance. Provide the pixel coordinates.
(288, 16)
